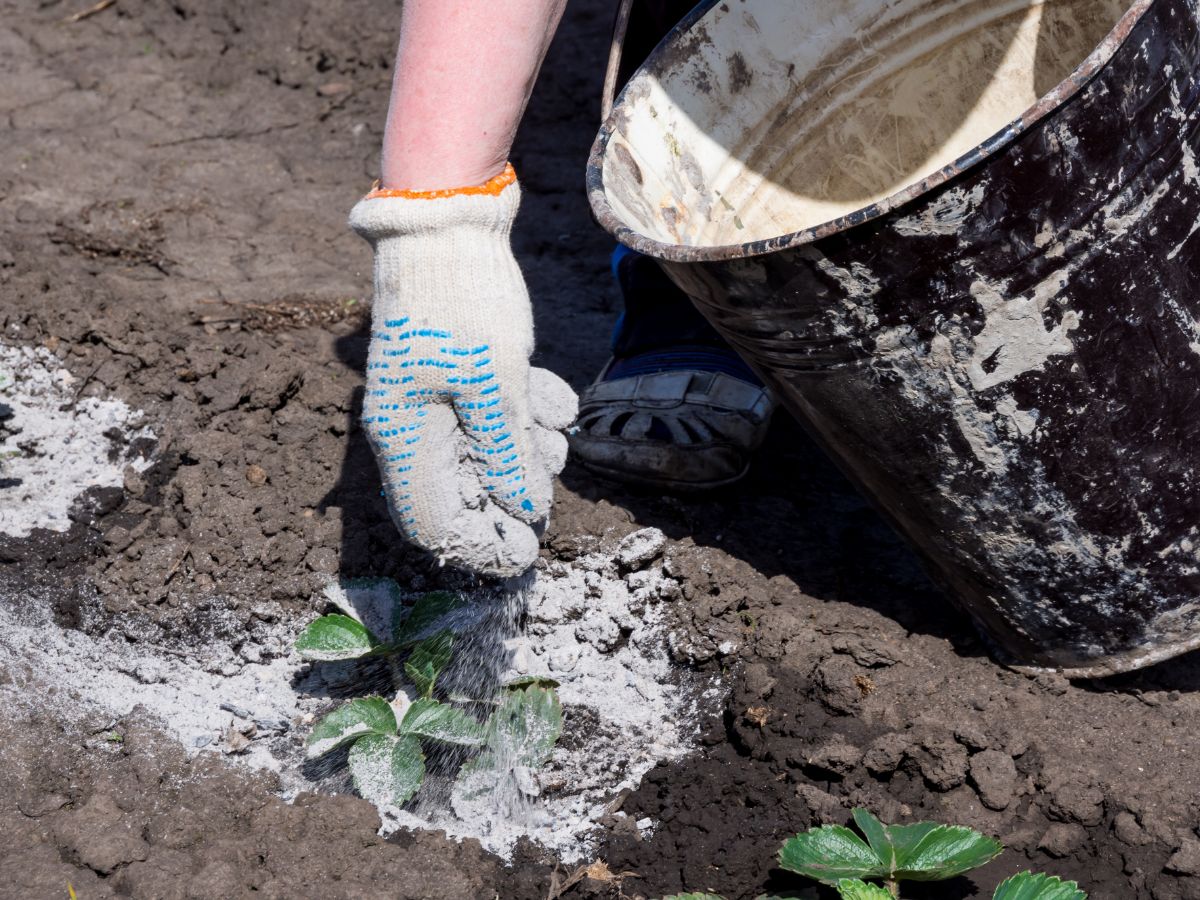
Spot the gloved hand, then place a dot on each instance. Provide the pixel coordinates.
(465, 432)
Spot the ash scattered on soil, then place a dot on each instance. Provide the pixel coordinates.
(600, 628)
(54, 443)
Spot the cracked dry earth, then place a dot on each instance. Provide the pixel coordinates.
(173, 191)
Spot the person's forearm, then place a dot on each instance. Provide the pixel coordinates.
(464, 72)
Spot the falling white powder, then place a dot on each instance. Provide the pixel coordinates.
(603, 638)
(53, 445)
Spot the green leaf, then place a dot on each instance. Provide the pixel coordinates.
(426, 613)
(439, 722)
(1028, 886)
(829, 854)
(853, 889)
(365, 715)
(522, 681)
(877, 835)
(427, 660)
(386, 768)
(905, 838)
(372, 601)
(945, 852)
(925, 851)
(526, 726)
(335, 637)
(693, 897)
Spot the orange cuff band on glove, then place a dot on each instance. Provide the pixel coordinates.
(492, 188)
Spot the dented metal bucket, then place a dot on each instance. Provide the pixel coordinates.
(958, 239)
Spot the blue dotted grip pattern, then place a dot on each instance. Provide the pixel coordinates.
(467, 381)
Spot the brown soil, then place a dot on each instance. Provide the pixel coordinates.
(172, 201)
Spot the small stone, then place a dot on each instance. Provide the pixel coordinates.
(564, 659)
(758, 681)
(1052, 683)
(836, 756)
(826, 807)
(885, 754)
(971, 737)
(1075, 802)
(637, 549)
(322, 560)
(1128, 831)
(118, 538)
(256, 474)
(235, 742)
(101, 836)
(994, 775)
(135, 484)
(1185, 860)
(36, 804)
(944, 763)
(836, 686)
(600, 631)
(1062, 839)
(520, 660)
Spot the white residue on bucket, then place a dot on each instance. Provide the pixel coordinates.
(53, 444)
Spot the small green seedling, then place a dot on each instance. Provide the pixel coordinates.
(388, 738)
(924, 851)
(339, 637)
(386, 759)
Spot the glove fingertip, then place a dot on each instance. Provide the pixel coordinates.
(552, 401)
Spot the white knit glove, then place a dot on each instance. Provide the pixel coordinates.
(466, 433)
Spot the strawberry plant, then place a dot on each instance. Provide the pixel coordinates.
(924, 851)
(388, 739)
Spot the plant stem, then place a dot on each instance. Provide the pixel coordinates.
(893, 888)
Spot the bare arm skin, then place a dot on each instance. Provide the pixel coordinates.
(464, 73)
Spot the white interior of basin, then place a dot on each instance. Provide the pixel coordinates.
(773, 117)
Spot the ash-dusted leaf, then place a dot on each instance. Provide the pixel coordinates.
(522, 681)
(427, 660)
(946, 851)
(1030, 886)
(829, 854)
(425, 614)
(335, 637)
(387, 768)
(693, 897)
(363, 715)
(439, 722)
(877, 835)
(525, 726)
(372, 601)
(853, 889)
